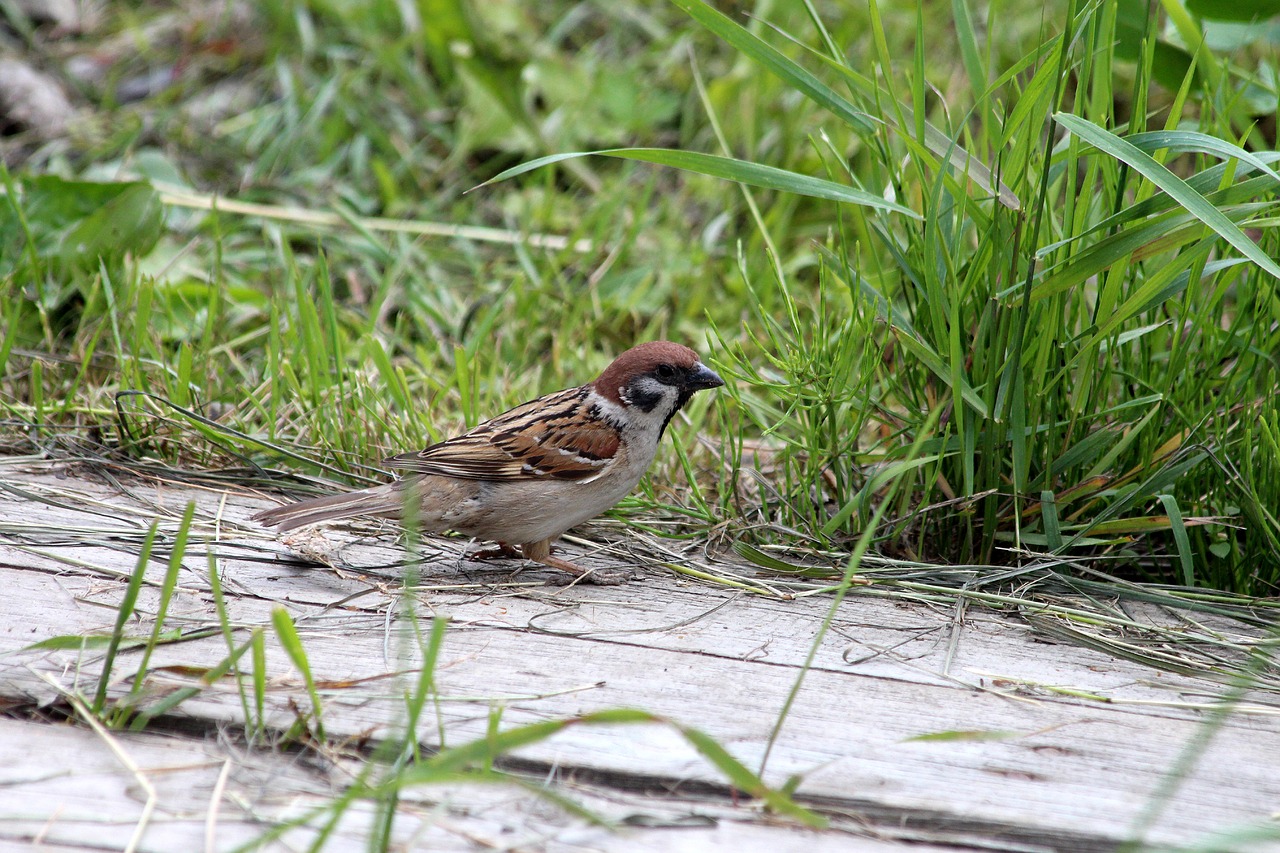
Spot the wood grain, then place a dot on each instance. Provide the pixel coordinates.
(1037, 769)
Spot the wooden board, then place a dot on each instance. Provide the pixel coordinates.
(1041, 769)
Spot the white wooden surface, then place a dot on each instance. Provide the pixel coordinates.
(1066, 772)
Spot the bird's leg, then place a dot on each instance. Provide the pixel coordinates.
(502, 552)
(540, 552)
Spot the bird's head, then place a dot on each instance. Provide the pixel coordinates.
(655, 379)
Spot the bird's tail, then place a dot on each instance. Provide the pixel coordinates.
(384, 500)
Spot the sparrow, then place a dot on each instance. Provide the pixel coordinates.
(528, 475)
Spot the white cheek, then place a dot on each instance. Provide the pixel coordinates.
(609, 410)
(638, 424)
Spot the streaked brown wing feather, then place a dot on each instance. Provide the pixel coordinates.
(547, 437)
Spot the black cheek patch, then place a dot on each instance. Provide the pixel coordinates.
(642, 399)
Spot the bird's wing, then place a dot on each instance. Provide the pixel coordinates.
(556, 436)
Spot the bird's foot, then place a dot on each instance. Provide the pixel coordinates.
(502, 552)
(577, 574)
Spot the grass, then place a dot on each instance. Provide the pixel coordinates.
(1042, 254)
(997, 304)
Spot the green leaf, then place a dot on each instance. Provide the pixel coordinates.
(1170, 64)
(744, 780)
(287, 634)
(935, 141)
(1202, 143)
(767, 561)
(1234, 10)
(1194, 203)
(1206, 183)
(966, 735)
(123, 614)
(887, 474)
(67, 642)
(78, 222)
(1180, 538)
(129, 222)
(1049, 514)
(784, 68)
(745, 172)
(932, 360)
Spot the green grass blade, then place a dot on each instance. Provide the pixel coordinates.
(930, 358)
(935, 141)
(208, 678)
(224, 625)
(1202, 143)
(287, 634)
(746, 781)
(166, 594)
(778, 64)
(123, 614)
(1186, 556)
(1049, 514)
(1193, 202)
(728, 168)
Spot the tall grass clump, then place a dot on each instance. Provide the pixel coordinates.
(1081, 287)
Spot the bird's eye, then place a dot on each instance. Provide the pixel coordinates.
(665, 372)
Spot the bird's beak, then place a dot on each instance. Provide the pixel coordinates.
(703, 377)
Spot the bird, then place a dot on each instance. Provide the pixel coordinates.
(528, 475)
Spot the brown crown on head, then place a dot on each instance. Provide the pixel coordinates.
(641, 359)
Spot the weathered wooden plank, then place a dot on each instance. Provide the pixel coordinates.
(883, 639)
(1067, 773)
(85, 791)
